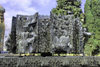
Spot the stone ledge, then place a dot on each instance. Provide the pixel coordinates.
(74, 61)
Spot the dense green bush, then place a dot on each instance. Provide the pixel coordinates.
(92, 22)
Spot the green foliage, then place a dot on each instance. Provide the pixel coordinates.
(92, 19)
(95, 5)
(65, 7)
(77, 3)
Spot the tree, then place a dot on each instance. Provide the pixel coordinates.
(92, 22)
(65, 7)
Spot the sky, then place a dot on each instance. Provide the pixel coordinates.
(27, 7)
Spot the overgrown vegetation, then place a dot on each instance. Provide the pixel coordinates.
(65, 7)
(92, 22)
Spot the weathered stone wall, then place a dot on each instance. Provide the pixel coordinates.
(30, 34)
(39, 33)
(62, 33)
(78, 41)
(67, 34)
(44, 37)
(49, 61)
(23, 34)
(26, 33)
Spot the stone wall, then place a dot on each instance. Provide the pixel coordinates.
(42, 34)
(49, 61)
(44, 37)
(67, 34)
(26, 33)
(62, 33)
